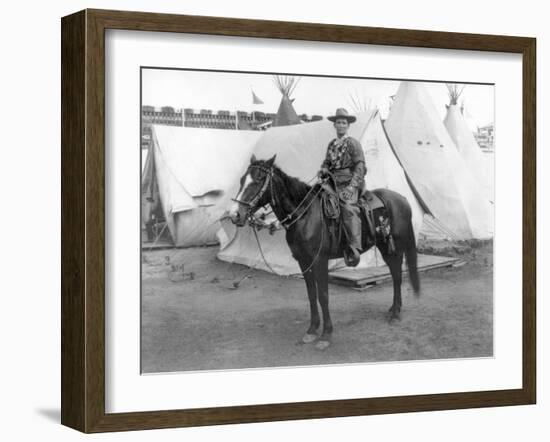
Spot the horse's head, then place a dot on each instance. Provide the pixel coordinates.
(254, 191)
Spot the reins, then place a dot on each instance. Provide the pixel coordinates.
(291, 214)
(313, 261)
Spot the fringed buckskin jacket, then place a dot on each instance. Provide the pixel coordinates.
(346, 161)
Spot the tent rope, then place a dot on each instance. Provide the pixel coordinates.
(439, 226)
(157, 238)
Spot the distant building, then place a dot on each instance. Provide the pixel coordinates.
(223, 119)
(485, 137)
(166, 115)
(206, 118)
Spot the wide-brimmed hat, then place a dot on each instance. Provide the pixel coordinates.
(342, 113)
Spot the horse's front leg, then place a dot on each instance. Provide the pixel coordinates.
(321, 279)
(315, 320)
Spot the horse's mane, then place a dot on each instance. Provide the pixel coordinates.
(297, 190)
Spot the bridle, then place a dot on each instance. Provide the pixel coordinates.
(260, 193)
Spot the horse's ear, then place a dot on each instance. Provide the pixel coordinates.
(253, 159)
(271, 161)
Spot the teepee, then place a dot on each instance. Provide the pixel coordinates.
(445, 184)
(286, 115)
(465, 142)
(300, 150)
(360, 103)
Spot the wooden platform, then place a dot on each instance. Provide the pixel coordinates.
(363, 278)
(162, 245)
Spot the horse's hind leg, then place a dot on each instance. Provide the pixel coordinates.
(315, 321)
(395, 263)
(321, 277)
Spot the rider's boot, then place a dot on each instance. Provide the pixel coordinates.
(353, 227)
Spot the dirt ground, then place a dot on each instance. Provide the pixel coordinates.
(199, 313)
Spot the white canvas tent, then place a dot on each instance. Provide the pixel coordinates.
(469, 119)
(466, 144)
(197, 172)
(144, 157)
(300, 151)
(442, 179)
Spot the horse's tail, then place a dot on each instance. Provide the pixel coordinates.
(412, 264)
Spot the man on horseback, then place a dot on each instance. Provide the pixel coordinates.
(345, 162)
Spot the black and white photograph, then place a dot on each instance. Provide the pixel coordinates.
(250, 221)
(295, 220)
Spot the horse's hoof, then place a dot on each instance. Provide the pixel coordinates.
(322, 345)
(308, 338)
(394, 317)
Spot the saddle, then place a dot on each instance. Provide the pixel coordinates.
(368, 202)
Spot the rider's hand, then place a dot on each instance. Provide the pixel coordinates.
(347, 193)
(323, 172)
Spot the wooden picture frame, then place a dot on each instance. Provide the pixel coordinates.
(83, 220)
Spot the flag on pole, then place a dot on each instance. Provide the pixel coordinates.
(256, 99)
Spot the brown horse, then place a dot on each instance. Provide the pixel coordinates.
(298, 207)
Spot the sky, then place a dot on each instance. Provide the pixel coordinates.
(313, 95)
